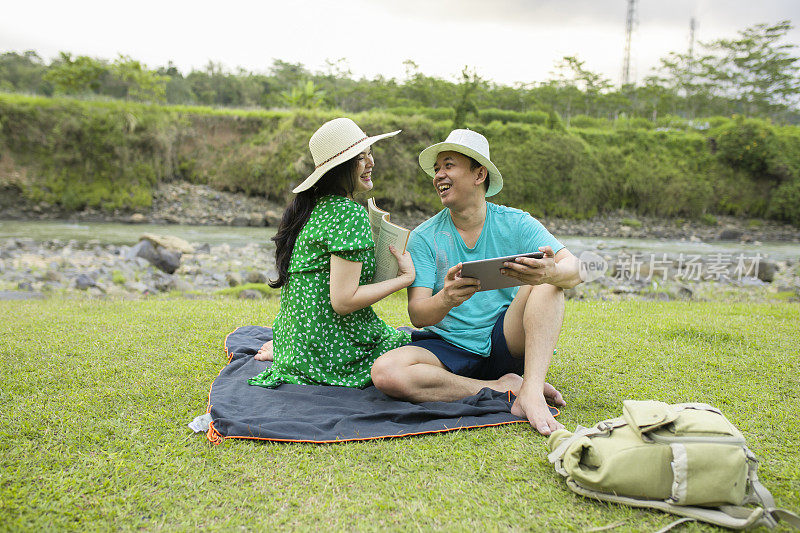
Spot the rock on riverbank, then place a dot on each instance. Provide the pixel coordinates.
(39, 269)
(187, 203)
(30, 269)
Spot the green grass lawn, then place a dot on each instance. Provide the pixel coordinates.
(95, 397)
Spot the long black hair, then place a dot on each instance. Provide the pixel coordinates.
(340, 180)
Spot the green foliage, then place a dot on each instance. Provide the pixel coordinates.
(785, 203)
(585, 121)
(708, 219)
(505, 116)
(117, 277)
(633, 123)
(110, 155)
(304, 95)
(737, 193)
(23, 73)
(546, 172)
(432, 113)
(753, 74)
(80, 75)
(138, 83)
(263, 288)
(554, 122)
(747, 144)
(672, 122)
(785, 163)
(465, 106)
(632, 222)
(756, 67)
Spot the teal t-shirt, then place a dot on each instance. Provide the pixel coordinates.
(435, 246)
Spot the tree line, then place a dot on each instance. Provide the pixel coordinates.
(754, 74)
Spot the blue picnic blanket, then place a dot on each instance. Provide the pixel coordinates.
(323, 414)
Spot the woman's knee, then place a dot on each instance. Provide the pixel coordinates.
(386, 372)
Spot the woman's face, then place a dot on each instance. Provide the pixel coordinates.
(364, 164)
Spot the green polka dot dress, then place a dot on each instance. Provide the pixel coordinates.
(314, 345)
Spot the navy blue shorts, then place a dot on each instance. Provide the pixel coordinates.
(465, 363)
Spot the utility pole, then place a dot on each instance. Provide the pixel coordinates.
(690, 69)
(629, 23)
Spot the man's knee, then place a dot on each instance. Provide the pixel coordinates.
(547, 289)
(547, 294)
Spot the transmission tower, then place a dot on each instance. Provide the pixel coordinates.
(629, 23)
(692, 27)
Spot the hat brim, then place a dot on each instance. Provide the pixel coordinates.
(339, 159)
(427, 159)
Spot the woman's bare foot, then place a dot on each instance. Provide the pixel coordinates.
(509, 382)
(265, 352)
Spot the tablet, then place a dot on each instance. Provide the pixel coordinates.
(488, 271)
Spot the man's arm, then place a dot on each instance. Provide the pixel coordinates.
(427, 309)
(561, 269)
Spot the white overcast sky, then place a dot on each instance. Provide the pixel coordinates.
(506, 41)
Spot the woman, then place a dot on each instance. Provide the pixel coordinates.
(325, 332)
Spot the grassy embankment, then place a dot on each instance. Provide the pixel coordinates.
(110, 155)
(95, 397)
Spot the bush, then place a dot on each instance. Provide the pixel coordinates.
(671, 122)
(433, 113)
(505, 116)
(632, 222)
(546, 172)
(708, 219)
(584, 121)
(633, 123)
(785, 163)
(747, 144)
(785, 203)
(117, 277)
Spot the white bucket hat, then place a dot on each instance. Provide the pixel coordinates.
(467, 142)
(333, 143)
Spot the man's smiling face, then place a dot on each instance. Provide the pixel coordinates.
(455, 180)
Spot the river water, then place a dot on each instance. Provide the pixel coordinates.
(116, 233)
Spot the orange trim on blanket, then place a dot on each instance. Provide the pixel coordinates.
(229, 356)
(216, 438)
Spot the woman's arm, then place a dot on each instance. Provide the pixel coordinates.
(348, 296)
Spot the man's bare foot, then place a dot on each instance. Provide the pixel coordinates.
(534, 407)
(509, 382)
(552, 395)
(265, 352)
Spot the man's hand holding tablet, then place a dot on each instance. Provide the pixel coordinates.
(510, 271)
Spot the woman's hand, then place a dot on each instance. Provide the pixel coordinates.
(405, 265)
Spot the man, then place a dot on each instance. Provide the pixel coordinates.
(477, 339)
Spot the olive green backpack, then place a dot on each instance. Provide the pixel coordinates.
(686, 459)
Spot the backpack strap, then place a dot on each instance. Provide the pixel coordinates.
(773, 514)
(732, 517)
(675, 524)
(788, 517)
